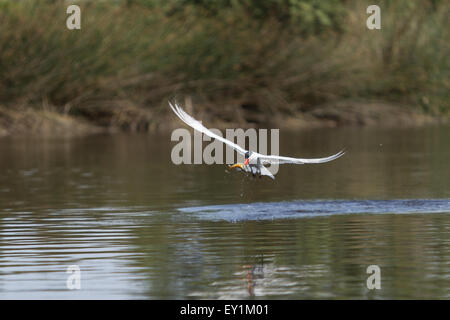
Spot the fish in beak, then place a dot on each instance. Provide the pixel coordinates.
(237, 165)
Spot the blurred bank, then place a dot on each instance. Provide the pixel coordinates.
(292, 63)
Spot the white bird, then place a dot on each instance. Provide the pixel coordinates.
(254, 162)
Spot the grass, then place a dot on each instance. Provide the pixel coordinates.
(132, 56)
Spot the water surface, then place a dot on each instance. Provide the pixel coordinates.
(140, 227)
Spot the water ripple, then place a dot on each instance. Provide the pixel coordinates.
(317, 208)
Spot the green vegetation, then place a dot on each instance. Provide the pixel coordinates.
(284, 56)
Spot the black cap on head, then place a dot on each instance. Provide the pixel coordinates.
(247, 154)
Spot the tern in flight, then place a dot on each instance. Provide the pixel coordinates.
(254, 162)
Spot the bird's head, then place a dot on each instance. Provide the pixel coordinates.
(247, 157)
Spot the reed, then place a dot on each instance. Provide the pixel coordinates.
(144, 52)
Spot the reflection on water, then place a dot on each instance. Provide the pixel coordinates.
(141, 227)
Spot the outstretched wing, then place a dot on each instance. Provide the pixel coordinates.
(197, 125)
(282, 160)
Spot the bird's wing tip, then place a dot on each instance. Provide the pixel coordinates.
(340, 153)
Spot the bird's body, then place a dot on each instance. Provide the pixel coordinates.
(254, 169)
(254, 162)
